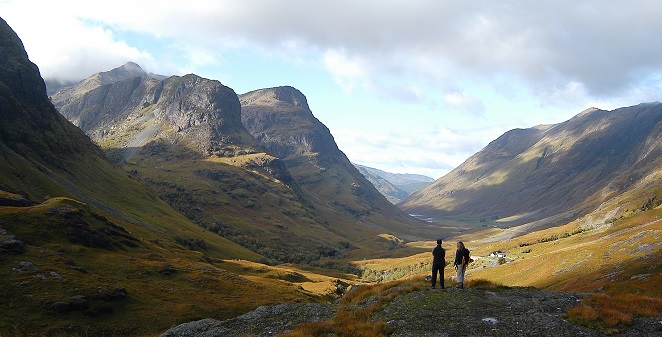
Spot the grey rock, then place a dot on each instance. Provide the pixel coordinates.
(263, 321)
(9, 244)
(61, 307)
(27, 266)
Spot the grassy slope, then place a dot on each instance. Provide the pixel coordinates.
(164, 283)
(618, 252)
(102, 255)
(257, 211)
(548, 175)
(615, 249)
(161, 241)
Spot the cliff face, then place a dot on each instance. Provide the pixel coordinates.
(126, 112)
(555, 172)
(282, 120)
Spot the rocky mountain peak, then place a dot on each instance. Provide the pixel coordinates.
(271, 96)
(126, 71)
(132, 67)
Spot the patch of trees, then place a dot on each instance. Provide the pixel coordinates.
(553, 237)
(273, 256)
(395, 273)
(192, 243)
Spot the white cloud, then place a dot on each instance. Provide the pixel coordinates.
(602, 46)
(465, 102)
(349, 73)
(434, 152)
(450, 57)
(65, 46)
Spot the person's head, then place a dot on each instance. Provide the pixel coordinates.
(438, 242)
(460, 245)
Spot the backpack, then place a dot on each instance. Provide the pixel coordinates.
(469, 255)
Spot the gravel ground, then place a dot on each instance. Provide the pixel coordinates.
(470, 312)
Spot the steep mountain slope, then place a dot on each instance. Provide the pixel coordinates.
(183, 138)
(281, 119)
(86, 250)
(394, 186)
(551, 174)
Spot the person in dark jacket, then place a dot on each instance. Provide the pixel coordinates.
(461, 262)
(438, 264)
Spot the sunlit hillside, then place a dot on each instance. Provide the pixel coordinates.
(548, 175)
(615, 249)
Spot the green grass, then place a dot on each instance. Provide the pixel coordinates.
(99, 197)
(165, 284)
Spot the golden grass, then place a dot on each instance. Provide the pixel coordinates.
(481, 283)
(356, 308)
(613, 313)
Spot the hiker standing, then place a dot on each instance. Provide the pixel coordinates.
(461, 262)
(438, 264)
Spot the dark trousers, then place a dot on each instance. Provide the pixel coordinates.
(438, 267)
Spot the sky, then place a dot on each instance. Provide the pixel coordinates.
(412, 86)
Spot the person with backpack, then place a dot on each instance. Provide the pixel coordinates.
(438, 264)
(462, 259)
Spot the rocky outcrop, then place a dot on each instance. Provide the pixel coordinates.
(9, 244)
(129, 109)
(29, 124)
(281, 119)
(263, 321)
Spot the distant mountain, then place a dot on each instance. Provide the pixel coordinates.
(385, 187)
(394, 186)
(549, 175)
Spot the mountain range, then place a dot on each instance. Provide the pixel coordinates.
(258, 169)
